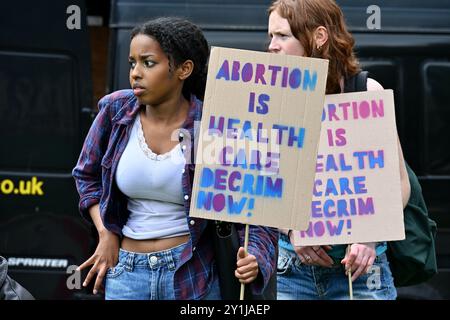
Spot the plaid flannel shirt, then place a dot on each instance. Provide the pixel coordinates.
(94, 177)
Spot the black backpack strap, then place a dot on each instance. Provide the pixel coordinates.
(355, 83)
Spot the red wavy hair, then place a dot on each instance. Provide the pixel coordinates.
(304, 17)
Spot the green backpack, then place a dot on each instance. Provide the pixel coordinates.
(413, 260)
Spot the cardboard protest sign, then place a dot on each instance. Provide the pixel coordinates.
(258, 138)
(357, 194)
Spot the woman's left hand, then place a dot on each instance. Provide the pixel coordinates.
(247, 267)
(359, 258)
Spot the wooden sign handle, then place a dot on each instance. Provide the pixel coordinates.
(245, 248)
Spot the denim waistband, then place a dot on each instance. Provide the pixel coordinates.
(168, 258)
(288, 256)
(337, 253)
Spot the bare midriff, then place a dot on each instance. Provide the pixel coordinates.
(152, 245)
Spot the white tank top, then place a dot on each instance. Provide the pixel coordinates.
(153, 186)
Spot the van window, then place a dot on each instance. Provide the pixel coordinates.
(39, 111)
(436, 113)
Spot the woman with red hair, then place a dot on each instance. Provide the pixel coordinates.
(316, 28)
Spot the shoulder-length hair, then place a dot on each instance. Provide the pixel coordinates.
(304, 17)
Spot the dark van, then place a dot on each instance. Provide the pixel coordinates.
(54, 68)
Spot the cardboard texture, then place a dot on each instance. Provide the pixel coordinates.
(258, 138)
(357, 193)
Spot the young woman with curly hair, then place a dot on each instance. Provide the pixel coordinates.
(135, 176)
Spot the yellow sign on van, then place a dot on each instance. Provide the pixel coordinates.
(32, 187)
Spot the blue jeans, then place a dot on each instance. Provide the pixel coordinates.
(148, 276)
(297, 281)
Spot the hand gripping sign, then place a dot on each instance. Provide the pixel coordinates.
(258, 139)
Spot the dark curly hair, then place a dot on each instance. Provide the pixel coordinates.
(180, 40)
